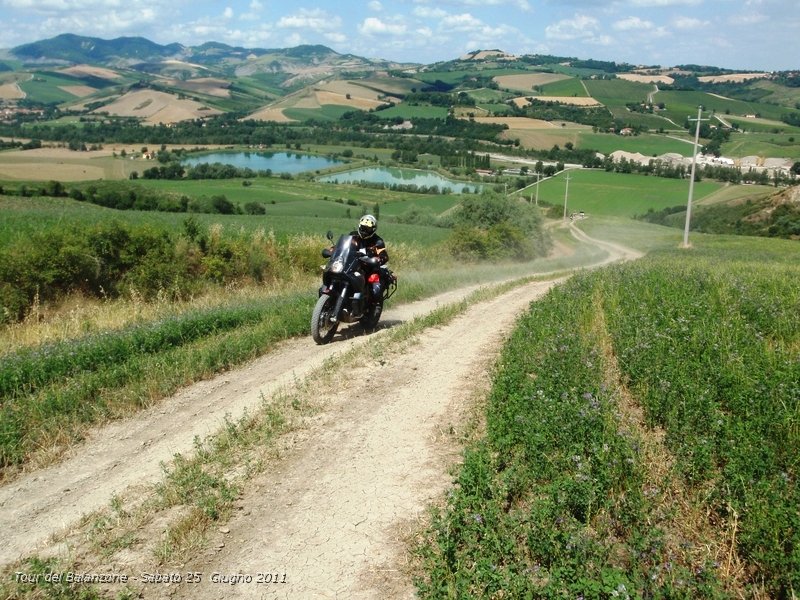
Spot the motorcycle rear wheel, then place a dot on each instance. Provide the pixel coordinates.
(322, 328)
(370, 319)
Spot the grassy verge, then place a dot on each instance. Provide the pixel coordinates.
(53, 392)
(198, 492)
(640, 437)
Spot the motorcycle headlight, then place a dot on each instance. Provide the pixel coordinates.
(337, 266)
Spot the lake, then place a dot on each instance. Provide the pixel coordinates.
(277, 162)
(394, 176)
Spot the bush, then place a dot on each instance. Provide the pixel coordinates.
(492, 226)
(254, 208)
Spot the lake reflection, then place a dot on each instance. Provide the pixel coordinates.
(277, 162)
(393, 176)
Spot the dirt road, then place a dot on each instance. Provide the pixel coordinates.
(329, 519)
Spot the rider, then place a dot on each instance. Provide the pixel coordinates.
(373, 245)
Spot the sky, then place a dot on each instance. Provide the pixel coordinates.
(744, 35)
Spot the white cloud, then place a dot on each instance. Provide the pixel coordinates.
(688, 23)
(375, 6)
(426, 12)
(228, 12)
(374, 26)
(523, 5)
(336, 37)
(663, 3)
(314, 20)
(580, 27)
(633, 24)
(294, 39)
(747, 19)
(462, 22)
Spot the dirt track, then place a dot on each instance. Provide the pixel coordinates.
(332, 514)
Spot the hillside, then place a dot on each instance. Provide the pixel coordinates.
(769, 214)
(542, 102)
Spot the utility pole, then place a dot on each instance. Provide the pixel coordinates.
(566, 193)
(691, 177)
(537, 187)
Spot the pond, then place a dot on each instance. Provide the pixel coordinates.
(277, 162)
(391, 176)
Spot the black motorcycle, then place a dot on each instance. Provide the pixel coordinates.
(346, 293)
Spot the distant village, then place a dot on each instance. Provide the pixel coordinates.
(747, 164)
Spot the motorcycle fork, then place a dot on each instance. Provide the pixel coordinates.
(339, 302)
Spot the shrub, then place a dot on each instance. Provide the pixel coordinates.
(492, 226)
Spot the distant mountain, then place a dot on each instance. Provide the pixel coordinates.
(69, 48)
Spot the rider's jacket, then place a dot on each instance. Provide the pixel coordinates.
(374, 245)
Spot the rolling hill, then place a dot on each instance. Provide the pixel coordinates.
(544, 101)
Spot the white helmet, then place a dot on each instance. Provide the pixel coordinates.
(367, 226)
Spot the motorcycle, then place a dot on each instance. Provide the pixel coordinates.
(346, 292)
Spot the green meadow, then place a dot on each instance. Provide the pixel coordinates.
(640, 438)
(614, 194)
(645, 143)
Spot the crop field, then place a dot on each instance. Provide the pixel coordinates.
(525, 82)
(647, 144)
(22, 217)
(766, 144)
(641, 438)
(682, 104)
(453, 77)
(328, 112)
(784, 96)
(408, 111)
(547, 137)
(615, 93)
(614, 194)
(761, 126)
(565, 87)
(47, 87)
(276, 191)
(486, 95)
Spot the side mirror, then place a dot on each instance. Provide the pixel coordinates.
(329, 235)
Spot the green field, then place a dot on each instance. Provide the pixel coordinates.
(682, 104)
(646, 143)
(640, 438)
(328, 112)
(615, 194)
(46, 88)
(762, 126)
(565, 87)
(457, 76)
(22, 217)
(485, 95)
(407, 111)
(763, 144)
(616, 93)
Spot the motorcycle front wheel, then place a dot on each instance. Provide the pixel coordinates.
(322, 328)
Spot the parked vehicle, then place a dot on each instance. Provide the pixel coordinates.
(346, 294)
